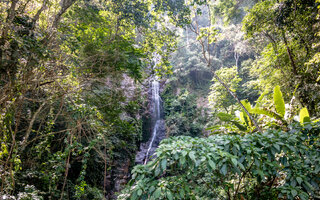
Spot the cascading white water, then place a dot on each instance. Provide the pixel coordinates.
(156, 113)
(158, 130)
(156, 98)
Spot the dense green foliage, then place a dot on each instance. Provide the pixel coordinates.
(271, 56)
(182, 114)
(284, 33)
(272, 165)
(74, 99)
(268, 114)
(219, 97)
(71, 93)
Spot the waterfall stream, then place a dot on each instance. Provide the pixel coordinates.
(158, 132)
(156, 108)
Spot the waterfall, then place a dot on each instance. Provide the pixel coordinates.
(158, 131)
(156, 110)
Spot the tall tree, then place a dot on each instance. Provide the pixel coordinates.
(284, 31)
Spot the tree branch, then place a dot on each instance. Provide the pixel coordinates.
(222, 82)
(24, 142)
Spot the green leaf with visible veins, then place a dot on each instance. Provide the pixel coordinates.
(192, 156)
(224, 169)
(164, 164)
(157, 193)
(278, 101)
(234, 161)
(212, 164)
(304, 115)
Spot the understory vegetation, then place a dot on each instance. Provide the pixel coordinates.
(240, 98)
(272, 165)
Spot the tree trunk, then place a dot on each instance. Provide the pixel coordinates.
(290, 54)
(238, 100)
(208, 61)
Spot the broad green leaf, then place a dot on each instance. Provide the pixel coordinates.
(278, 101)
(304, 115)
(225, 117)
(151, 189)
(257, 162)
(182, 160)
(169, 195)
(157, 193)
(237, 124)
(182, 193)
(134, 196)
(157, 171)
(224, 169)
(294, 193)
(261, 174)
(241, 166)
(259, 100)
(164, 164)
(212, 164)
(244, 118)
(303, 196)
(192, 156)
(139, 192)
(234, 161)
(264, 111)
(293, 183)
(184, 153)
(247, 105)
(307, 186)
(276, 146)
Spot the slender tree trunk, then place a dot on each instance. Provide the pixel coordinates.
(4, 34)
(24, 142)
(65, 4)
(66, 168)
(207, 58)
(36, 17)
(290, 54)
(273, 42)
(239, 102)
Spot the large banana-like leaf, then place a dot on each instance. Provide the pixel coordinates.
(247, 105)
(225, 117)
(278, 101)
(246, 118)
(240, 126)
(242, 119)
(304, 115)
(264, 111)
(231, 118)
(259, 100)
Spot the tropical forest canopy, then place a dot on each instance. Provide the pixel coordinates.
(240, 95)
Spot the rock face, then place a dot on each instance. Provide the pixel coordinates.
(118, 176)
(158, 133)
(116, 179)
(148, 149)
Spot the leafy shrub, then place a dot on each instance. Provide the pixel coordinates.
(272, 165)
(269, 115)
(182, 115)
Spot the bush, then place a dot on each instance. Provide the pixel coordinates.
(272, 165)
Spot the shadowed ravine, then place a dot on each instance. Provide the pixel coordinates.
(158, 132)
